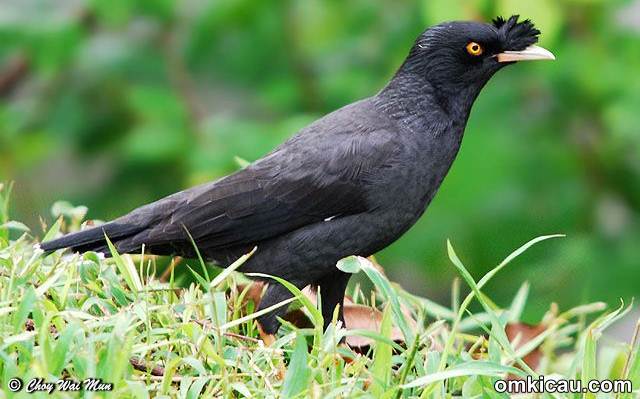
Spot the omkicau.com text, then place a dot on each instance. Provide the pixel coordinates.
(545, 384)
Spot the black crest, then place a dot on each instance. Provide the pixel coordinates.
(516, 35)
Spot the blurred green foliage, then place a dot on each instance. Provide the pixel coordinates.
(114, 104)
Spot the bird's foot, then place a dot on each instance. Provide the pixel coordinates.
(268, 339)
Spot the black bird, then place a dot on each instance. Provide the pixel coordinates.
(350, 183)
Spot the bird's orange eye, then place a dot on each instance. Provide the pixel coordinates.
(474, 49)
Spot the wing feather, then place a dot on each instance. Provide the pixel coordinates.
(318, 174)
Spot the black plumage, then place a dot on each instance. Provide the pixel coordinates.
(350, 183)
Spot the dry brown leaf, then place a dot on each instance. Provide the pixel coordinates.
(254, 293)
(521, 333)
(362, 317)
(356, 316)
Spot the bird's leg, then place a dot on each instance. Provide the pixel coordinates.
(268, 324)
(332, 289)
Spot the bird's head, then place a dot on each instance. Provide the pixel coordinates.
(455, 56)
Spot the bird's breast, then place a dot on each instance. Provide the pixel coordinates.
(409, 184)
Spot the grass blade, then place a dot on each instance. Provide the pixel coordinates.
(296, 380)
(126, 268)
(231, 268)
(381, 367)
(465, 369)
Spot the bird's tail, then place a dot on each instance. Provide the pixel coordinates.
(93, 239)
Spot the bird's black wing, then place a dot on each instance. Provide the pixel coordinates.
(324, 172)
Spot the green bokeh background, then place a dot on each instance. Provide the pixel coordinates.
(112, 104)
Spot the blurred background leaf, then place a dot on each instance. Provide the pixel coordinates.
(114, 104)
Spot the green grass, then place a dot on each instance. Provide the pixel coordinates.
(81, 316)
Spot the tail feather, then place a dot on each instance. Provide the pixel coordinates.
(92, 239)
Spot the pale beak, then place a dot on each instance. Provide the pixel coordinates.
(529, 54)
